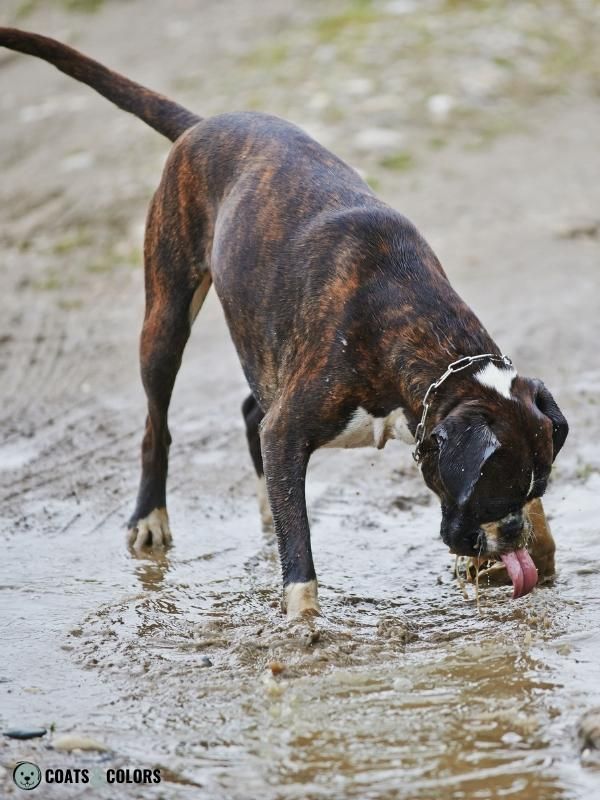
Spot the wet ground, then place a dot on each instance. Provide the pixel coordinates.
(401, 689)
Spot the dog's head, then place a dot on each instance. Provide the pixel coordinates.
(486, 459)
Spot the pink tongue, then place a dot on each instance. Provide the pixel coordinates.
(521, 570)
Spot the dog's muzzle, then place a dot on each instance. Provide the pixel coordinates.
(504, 535)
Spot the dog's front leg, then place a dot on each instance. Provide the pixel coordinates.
(285, 454)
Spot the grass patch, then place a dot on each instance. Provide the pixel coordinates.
(398, 162)
(100, 267)
(27, 7)
(358, 14)
(69, 305)
(184, 83)
(116, 258)
(50, 283)
(267, 56)
(437, 142)
(469, 5)
(72, 241)
(85, 6)
(584, 471)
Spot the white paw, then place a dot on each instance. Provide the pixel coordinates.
(151, 531)
(263, 504)
(300, 599)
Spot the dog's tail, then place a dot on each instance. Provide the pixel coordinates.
(162, 114)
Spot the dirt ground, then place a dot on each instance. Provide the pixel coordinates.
(479, 121)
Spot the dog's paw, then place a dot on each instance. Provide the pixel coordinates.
(301, 600)
(152, 531)
(266, 517)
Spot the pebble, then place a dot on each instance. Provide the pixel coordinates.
(276, 667)
(312, 637)
(23, 733)
(377, 139)
(206, 662)
(359, 86)
(400, 7)
(511, 737)
(74, 741)
(588, 730)
(76, 161)
(402, 685)
(440, 106)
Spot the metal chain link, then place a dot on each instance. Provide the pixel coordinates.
(455, 366)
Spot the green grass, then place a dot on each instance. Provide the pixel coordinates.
(86, 6)
(50, 283)
(373, 182)
(584, 470)
(69, 305)
(113, 259)
(27, 7)
(398, 162)
(437, 142)
(358, 14)
(72, 241)
(267, 56)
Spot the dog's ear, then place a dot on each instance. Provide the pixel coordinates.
(547, 405)
(464, 442)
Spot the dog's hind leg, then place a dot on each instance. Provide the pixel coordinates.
(253, 415)
(173, 298)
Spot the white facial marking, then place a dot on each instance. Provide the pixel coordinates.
(300, 598)
(530, 490)
(496, 378)
(364, 430)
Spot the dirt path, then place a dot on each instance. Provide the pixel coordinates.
(401, 690)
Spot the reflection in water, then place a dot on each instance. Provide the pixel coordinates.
(151, 569)
(154, 610)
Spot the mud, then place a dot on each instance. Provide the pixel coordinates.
(401, 689)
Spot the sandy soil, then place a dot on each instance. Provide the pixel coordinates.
(481, 125)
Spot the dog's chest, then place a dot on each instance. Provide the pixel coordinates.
(365, 430)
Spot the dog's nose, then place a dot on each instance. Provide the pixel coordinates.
(512, 525)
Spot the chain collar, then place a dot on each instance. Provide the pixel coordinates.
(456, 366)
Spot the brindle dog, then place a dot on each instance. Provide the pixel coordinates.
(342, 317)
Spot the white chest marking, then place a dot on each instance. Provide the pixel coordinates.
(496, 378)
(364, 430)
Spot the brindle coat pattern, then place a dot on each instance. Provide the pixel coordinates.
(333, 301)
